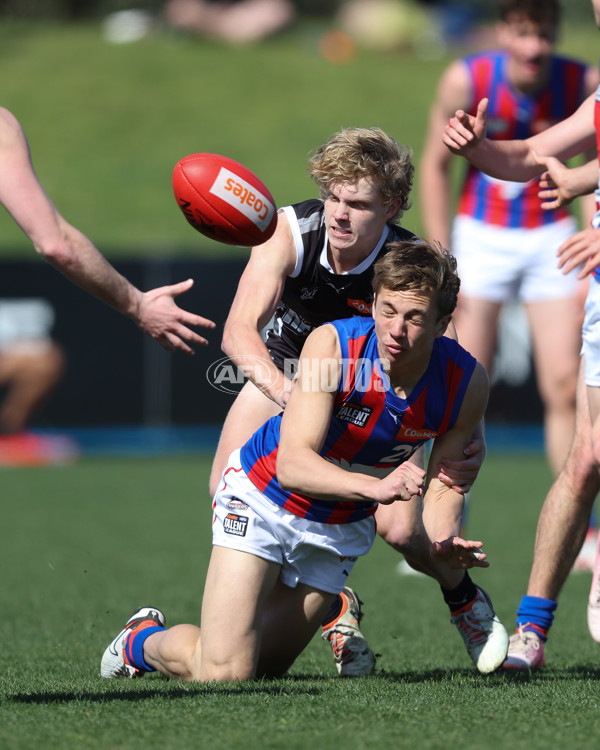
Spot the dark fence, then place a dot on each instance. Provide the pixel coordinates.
(118, 376)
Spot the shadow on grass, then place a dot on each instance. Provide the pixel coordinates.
(148, 693)
(303, 684)
(500, 677)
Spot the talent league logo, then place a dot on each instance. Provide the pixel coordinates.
(235, 524)
(355, 414)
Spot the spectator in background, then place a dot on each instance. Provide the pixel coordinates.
(31, 365)
(232, 21)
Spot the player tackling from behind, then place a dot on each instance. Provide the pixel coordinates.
(295, 506)
(318, 267)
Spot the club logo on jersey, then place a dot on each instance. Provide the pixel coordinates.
(235, 524)
(355, 414)
(236, 504)
(308, 292)
(361, 306)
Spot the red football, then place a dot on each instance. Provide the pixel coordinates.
(224, 200)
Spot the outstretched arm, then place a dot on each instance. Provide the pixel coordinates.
(514, 160)
(75, 256)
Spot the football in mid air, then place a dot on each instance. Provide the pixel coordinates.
(224, 200)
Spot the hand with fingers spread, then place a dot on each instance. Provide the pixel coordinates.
(460, 554)
(581, 249)
(159, 316)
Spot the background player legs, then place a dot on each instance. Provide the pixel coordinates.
(565, 515)
(554, 326)
(476, 322)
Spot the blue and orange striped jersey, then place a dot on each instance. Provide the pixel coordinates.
(510, 116)
(372, 430)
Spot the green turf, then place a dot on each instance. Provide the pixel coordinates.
(108, 122)
(82, 546)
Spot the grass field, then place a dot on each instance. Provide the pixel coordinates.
(83, 546)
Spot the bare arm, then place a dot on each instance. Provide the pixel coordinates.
(74, 255)
(587, 201)
(453, 93)
(304, 427)
(560, 185)
(442, 505)
(464, 134)
(258, 293)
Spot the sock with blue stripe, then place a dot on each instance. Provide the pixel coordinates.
(536, 614)
(135, 646)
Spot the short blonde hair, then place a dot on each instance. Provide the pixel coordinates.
(355, 153)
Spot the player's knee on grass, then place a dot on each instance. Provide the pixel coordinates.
(225, 671)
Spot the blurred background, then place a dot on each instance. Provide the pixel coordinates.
(112, 94)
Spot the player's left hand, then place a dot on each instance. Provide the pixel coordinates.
(459, 554)
(159, 316)
(460, 475)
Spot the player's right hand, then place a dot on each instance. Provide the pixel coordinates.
(402, 483)
(554, 183)
(464, 131)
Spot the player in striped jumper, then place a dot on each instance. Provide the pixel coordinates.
(504, 242)
(565, 514)
(296, 504)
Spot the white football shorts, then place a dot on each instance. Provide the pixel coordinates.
(590, 334)
(499, 263)
(320, 555)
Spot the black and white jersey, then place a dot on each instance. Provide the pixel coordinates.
(313, 294)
